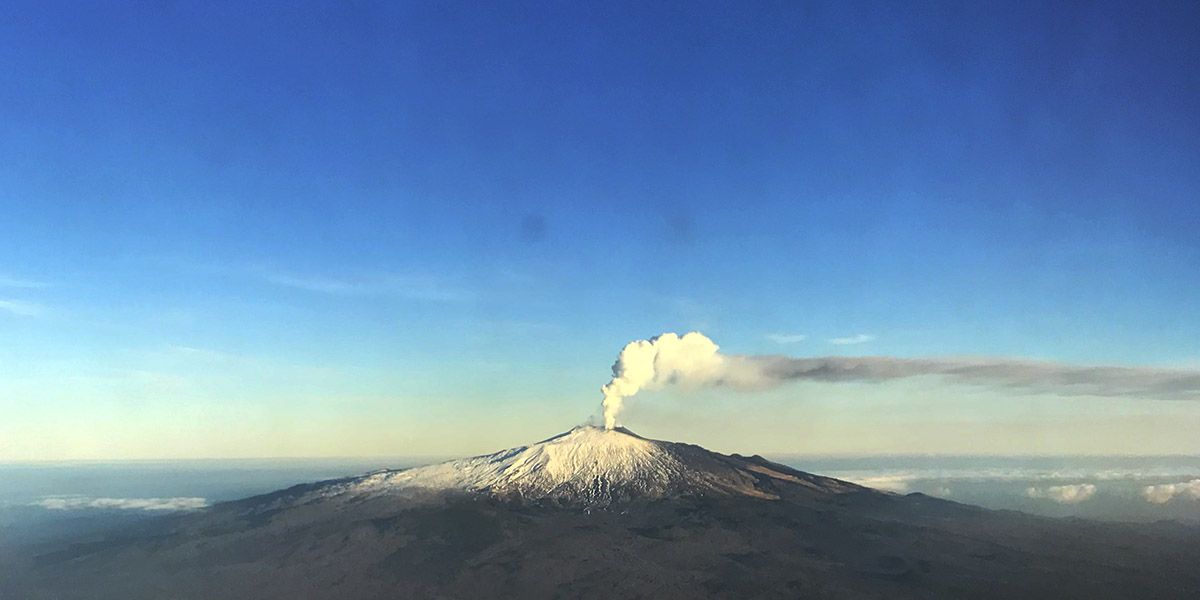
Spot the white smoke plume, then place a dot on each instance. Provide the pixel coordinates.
(668, 358)
(694, 359)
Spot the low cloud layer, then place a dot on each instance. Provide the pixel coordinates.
(1064, 494)
(898, 483)
(1165, 492)
(148, 504)
(695, 360)
(893, 479)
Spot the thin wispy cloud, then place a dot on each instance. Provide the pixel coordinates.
(22, 308)
(411, 287)
(15, 282)
(323, 285)
(786, 338)
(203, 353)
(183, 357)
(861, 338)
(146, 504)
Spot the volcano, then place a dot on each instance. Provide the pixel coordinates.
(594, 467)
(594, 513)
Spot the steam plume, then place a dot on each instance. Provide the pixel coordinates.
(655, 362)
(693, 359)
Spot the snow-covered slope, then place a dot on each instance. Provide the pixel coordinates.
(592, 466)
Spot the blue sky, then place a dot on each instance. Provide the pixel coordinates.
(350, 228)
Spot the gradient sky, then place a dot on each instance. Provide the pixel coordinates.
(356, 228)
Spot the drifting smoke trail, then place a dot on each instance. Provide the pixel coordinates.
(693, 359)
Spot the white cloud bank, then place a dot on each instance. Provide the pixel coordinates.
(1165, 492)
(150, 504)
(1064, 494)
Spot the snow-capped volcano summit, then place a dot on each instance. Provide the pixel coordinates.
(593, 466)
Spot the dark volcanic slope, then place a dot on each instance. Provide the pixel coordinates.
(690, 532)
